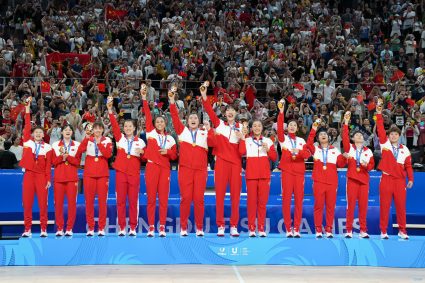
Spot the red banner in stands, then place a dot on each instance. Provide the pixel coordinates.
(114, 14)
(59, 58)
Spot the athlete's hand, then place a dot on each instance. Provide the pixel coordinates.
(207, 125)
(239, 135)
(163, 151)
(48, 185)
(409, 185)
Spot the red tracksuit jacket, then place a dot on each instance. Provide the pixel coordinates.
(366, 157)
(130, 166)
(66, 171)
(287, 163)
(335, 159)
(400, 168)
(154, 139)
(91, 167)
(44, 163)
(257, 159)
(194, 156)
(226, 140)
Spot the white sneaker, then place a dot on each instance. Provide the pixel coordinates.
(132, 233)
(234, 231)
(26, 234)
(90, 233)
(403, 236)
(101, 233)
(262, 234)
(252, 234)
(220, 232)
(364, 235)
(183, 233)
(329, 235)
(296, 234)
(69, 233)
(349, 235)
(384, 236)
(162, 231)
(43, 234)
(59, 233)
(289, 234)
(199, 233)
(319, 235)
(151, 232)
(122, 233)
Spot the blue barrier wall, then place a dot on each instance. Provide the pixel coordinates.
(11, 204)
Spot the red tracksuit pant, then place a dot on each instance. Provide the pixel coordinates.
(324, 194)
(192, 188)
(70, 190)
(357, 192)
(92, 187)
(34, 184)
(157, 183)
(258, 195)
(392, 187)
(127, 186)
(292, 185)
(225, 173)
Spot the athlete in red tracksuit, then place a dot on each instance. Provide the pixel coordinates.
(65, 179)
(228, 166)
(294, 152)
(194, 142)
(96, 176)
(325, 178)
(360, 162)
(37, 162)
(160, 150)
(396, 166)
(259, 151)
(127, 167)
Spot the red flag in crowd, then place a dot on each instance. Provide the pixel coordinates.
(410, 102)
(14, 112)
(102, 87)
(114, 14)
(45, 87)
(299, 87)
(398, 75)
(371, 106)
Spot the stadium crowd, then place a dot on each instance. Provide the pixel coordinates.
(322, 57)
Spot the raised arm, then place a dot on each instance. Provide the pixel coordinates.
(148, 120)
(178, 125)
(209, 110)
(345, 133)
(27, 127)
(280, 123)
(310, 140)
(380, 129)
(115, 127)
